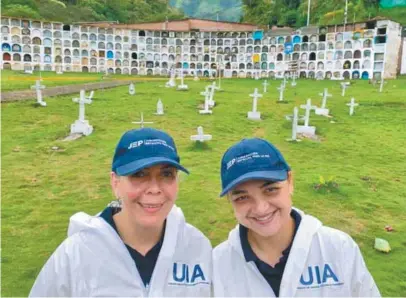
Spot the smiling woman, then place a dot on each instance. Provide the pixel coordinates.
(140, 245)
(278, 250)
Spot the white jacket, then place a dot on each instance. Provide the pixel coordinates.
(93, 261)
(322, 262)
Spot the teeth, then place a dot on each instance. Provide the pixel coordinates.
(151, 206)
(264, 218)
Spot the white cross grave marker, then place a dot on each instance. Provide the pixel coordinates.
(206, 95)
(352, 104)
(306, 129)
(90, 97)
(159, 108)
(265, 84)
(131, 89)
(142, 122)
(293, 83)
(212, 88)
(281, 90)
(254, 114)
(200, 137)
(322, 110)
(344, 86)
(182, 86)
(295, 119)
(81, 125)
(38, 87)
(381, 85)
(171, 83)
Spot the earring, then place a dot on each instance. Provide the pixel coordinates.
(116, 203)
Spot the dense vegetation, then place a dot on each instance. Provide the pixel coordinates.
(265, 12)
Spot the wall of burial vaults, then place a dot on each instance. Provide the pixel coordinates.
(93, 49)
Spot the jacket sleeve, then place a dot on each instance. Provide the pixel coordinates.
(362, 285)
(54, 278)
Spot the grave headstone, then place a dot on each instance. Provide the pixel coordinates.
(142, 122)
(38, 87)
(81, 125)
(323, 111)
(200, 137)
(206, 95)
(159, 108)
(265, 84)
(352, 104)
(131, 89)
(294, 119)
(28, 71)
(254, 114)
(344, 86)
(306, 129)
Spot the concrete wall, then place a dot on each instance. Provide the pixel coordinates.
(403, 58)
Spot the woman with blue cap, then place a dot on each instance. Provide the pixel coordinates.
(277, 250)
(140, 246)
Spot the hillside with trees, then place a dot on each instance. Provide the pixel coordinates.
(264, 12)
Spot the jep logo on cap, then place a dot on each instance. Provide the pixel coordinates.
(252, 159)
(142, 148)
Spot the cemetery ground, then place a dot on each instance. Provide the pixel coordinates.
(353, 178)
(12, 80)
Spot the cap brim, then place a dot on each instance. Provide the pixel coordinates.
(138, 165)
(280, 175)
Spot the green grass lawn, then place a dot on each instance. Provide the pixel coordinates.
(365, 154)
(12, 80)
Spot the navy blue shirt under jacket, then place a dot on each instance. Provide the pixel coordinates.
(273, 275)
(145, 264)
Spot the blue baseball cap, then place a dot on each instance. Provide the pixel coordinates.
(252, 159)
(142, 148)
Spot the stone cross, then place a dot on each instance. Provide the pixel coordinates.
(256, 75)
(82, 100)
(213, 87)
(200, 137)
(265, 84)
(381, 85)
(159, 108)
(293, 83)
(218, 88)
(171, 82)
(38, 87)
(182, 86)
(142, 122)
(325, 94)
(295, 119)
(131, 89)
(281, 89)
(254, 114)
(308, 107)
(206, 95)
(352, 104)
(90, 97)
(344, 86)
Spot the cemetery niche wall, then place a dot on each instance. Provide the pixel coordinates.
(310, 52)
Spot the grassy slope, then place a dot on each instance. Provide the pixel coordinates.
(42, 188)
(18, 80)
